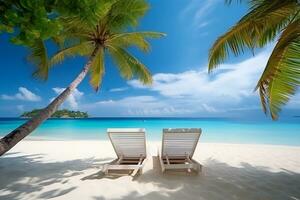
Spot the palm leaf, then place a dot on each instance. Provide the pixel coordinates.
(59, 40)
(125, 14)
(130, 66)
(75, 27)
(97, 69)
(82, 49)
(256, 29)
(38, 56)
(137, 39)
(84, 10)
(282, 73)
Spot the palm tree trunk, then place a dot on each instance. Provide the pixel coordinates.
(11, 139)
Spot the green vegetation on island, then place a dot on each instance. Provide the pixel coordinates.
(64, 113)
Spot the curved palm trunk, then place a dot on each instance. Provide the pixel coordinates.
(11, 139)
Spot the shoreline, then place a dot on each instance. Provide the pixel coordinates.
(216, 131)
(34, 138)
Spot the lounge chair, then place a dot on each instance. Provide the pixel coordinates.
(178, 146)
(130, 147)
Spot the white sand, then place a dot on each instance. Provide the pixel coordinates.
(71, 170)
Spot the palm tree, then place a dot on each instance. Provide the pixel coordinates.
(266, 21)
(107, 34)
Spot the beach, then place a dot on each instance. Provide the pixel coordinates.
(196, 100)
(68, 169)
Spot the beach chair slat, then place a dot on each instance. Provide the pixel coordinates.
(128, 142)
(176, 143)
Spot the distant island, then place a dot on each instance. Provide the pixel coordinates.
(64, 113)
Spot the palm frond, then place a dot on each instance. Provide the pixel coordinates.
(281, 77)
(274, 15)
(76, 27)
(104, 9)
(137, 39)
(59, 40)
(38, 56)
(125, 14)
(82, 49)
(97, 69)
(130, 66)
(85, 10)
(256, 29)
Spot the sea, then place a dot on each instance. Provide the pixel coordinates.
(214, 130)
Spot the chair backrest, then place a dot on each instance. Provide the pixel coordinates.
(128, 142)
(180, 141)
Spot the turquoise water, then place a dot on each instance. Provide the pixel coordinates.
(214, 130)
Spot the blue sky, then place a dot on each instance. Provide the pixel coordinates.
(178, 63)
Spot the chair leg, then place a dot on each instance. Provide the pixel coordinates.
(137, 172)
(198, 168)
(141, 171)
(105, 169)
(161, 162)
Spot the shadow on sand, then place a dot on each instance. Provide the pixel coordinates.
(26, 174)
(221, 181)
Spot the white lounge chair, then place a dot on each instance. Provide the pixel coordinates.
(178, 146)
(130, 147)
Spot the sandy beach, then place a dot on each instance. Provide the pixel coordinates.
(72, 170)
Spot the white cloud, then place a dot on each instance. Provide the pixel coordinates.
(231, 87)
(118, 89)
(23, 94)
(7, 97)
(133, 102)
(105, 102)
(209, 108)
(204, 8)
(203, 24)
(136, 106)
(72, 100)
(27, 95)
(198, 11)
